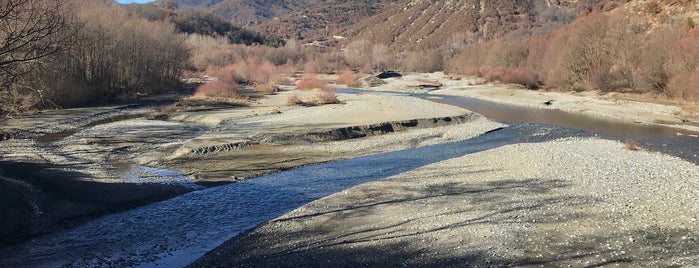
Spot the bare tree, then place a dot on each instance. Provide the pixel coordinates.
(30, 30)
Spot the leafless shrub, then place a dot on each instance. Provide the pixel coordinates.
(326, 96)
(683, 67)
(522, 76)
(424, 61)
(266, 88)
(350, 79)
(653, 7)
(31, 31)
(492, 75)
(311, 83)
(323, 97)
(218, 88)
(294, 100)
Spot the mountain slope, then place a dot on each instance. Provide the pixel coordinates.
(430, 24)
(322, 20)
(248, 11)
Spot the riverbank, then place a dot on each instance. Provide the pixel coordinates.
(570, 202)
(611, 106)
(74, 165)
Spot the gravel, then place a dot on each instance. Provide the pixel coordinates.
(569, 202)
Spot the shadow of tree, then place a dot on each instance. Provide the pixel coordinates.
(37, 198)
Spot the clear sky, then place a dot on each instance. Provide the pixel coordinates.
(134, 1)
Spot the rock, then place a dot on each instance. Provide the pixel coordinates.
(389, 74)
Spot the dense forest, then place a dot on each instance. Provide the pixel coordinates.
(65, 53)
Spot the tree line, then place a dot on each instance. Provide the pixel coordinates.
(598, 51)
(67, 53)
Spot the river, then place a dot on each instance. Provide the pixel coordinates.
(178, 231)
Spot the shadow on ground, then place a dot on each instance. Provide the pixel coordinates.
(40, 198)
(498, 223)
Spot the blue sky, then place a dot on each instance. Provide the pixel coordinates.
(134, 1)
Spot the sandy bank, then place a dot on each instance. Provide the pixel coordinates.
(573, 202)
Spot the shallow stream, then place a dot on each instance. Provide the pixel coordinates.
(178, 231)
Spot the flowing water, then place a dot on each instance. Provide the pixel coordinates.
(177, 231)
(666, 139)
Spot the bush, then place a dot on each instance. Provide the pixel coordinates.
(326, 96)
(683, 67)
(522, 76)
(266, 88)
(218, 88)
(349, 79)
(294, 100)
(311, 83)
(492, 75)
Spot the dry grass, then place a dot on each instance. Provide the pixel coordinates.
(196, 103)
(266, 88)
(322, 98)
(631, 146)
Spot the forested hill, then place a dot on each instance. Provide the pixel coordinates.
(420, 24)
(246, 11)
(204, 23)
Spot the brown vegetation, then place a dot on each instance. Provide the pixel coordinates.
(218, 88)
(598, 51)
(80, 52)
(631, 146)
(311, 83)
(349, 79)
(324, 96)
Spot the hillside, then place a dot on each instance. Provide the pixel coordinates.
(247, 11)
(429, 24)
(322, 20)
(196, 21)
(289, 19)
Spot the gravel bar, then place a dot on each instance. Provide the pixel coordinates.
(576, 202)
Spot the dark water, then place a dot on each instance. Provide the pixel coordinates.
(669, 140)
(504, 112)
